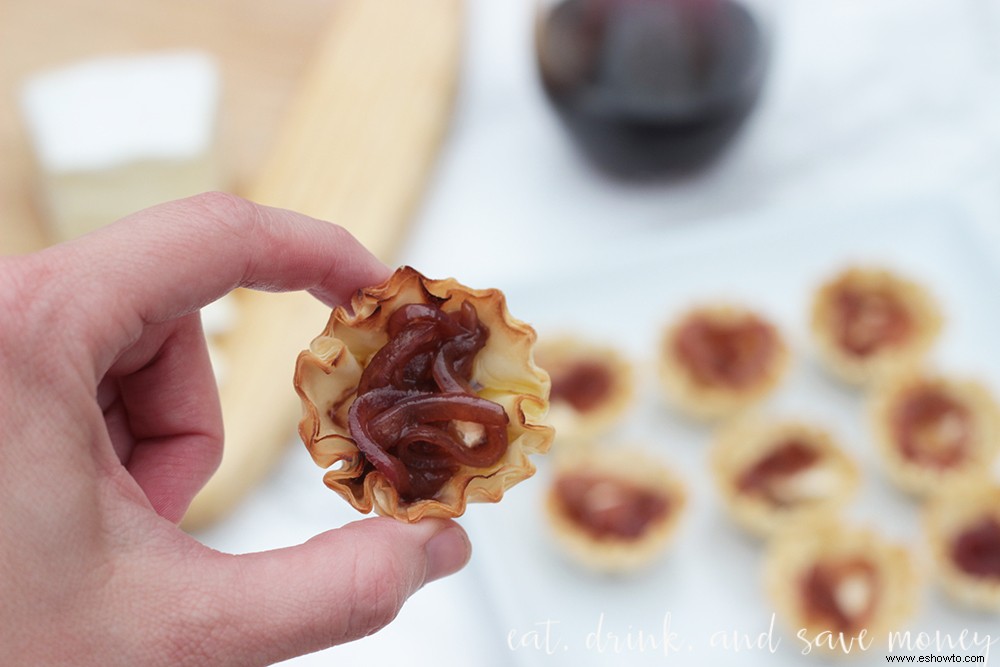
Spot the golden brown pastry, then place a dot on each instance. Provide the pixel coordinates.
(826, 577)
(963, 526)
(592, 385)
(614, 510)
(869, 321)
(716, 360)
(932, 430)
(422, 397)
(771, 473)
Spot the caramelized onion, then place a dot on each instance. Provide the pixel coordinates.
(415, 397)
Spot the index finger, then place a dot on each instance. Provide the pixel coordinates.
(169, 260)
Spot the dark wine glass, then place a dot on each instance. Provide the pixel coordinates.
(651, 87)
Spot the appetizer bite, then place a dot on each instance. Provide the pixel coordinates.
(592, 385)
(832, 582)
(932, 430)
(869, 321)
(716, 360)
(422, 397)
(963, 525)
(614, 510)
(772, 473)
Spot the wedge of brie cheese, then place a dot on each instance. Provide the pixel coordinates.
(115, 135)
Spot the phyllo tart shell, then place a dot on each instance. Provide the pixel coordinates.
(593, 385)
(830, 582)
(771, 473)
(868, 322)
(423, 396)
(716, 360)
(963, 527)
(931, 430)
(613, 510)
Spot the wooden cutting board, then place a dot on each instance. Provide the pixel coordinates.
(336, 110)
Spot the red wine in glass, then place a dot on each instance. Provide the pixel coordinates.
(651, 87)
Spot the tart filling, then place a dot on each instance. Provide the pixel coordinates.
(583, 385)
(723, 352)
(931, 430)
(610, 517)
(423, 398)
(773, 477)
(716, 360)
(869, 321)
(841, 594)
(827, 578)
(770, 473)
(976, 550)
(609, 508)
(963, 526)
(866, 321)
(932, 427)
(592, 385)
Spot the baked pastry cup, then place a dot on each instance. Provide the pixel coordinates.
(774, 473)
(867, 322)
(421, 397)
(592, 385)
(716, 360)
(613, 510)
(933, 430)
(963, 528)
(832, 582)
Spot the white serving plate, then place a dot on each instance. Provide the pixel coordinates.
(710, 583)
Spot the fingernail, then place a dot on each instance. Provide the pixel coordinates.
(447, 552)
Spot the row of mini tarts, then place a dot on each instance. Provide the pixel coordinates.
(930, 431)
(716, 360)
(866, 323)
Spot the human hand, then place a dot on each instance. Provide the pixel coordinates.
(110, 423)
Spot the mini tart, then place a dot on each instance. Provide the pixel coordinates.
(932, 430)
(716, 360)
(771, 474)
(469, 390)
(827, 577)
(592, 385)
(867, 322)
(614, 510)
(963, 526)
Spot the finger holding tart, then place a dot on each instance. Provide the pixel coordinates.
(963, 526)
(421, 397)
(867, 322)
(717, 360)
(931, 430)
(834, 583)
(614, 510)
(592, 385)
(771, 473)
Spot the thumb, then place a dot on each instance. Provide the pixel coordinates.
(339, 586)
